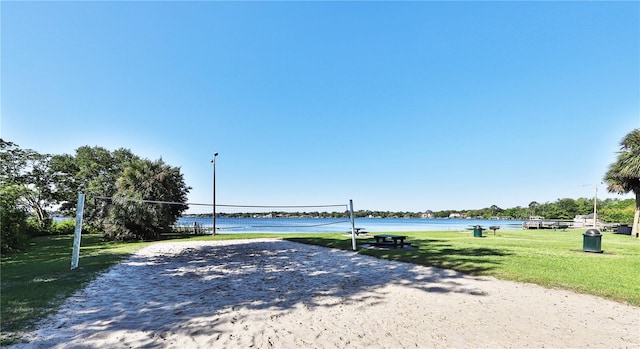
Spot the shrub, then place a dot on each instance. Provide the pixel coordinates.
(65, 227)
(13, 220)
(619, 212)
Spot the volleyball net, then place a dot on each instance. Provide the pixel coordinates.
(197, 218)
(123, 218)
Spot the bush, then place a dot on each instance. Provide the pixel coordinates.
(35, 229)
(65, 227)
(118, 232)
(619, 212)
(13, 220)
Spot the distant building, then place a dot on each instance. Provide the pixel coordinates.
(582, 221)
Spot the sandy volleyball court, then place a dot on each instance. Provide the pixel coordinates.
(279, 294)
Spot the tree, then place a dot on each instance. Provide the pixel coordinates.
(40, 194)
(13, 218)
(30, 170)
(584, 206)
(13, 160)
(92, 171)
(517, 212)
(567, 208)
(619, 211)
(495, 210)
(131, 218)
(623, 175)
(533, 206)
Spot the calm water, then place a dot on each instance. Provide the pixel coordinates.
(313, 225)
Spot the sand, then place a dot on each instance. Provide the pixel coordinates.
(279, 294)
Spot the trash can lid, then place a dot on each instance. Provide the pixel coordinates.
(592, 232)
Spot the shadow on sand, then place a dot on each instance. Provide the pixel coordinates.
(191, 289)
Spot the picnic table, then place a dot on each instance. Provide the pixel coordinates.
(359, 231)
(390, 240)
(562, 226)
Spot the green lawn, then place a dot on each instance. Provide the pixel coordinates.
(35, 282)
(548, 258)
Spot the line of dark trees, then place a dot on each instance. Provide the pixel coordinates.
(609, 210)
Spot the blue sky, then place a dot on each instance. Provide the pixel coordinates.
(398, 106)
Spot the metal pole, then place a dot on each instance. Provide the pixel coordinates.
(595, 209)
(213, 219)
(353, 225)
(595, 204)
(75, 256)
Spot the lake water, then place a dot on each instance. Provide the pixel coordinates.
(321, 225)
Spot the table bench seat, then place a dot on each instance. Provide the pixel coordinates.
(387, 240)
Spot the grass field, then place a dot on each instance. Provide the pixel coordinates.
(552, 259)
(34, 283)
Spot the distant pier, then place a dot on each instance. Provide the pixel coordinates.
(546, 224)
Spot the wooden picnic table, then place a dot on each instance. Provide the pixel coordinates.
(390, 240)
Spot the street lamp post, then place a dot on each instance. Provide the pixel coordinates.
(595, 208)
(595, 204)
(213, 219)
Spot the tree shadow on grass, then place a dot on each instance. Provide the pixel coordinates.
(439, 254)
(36, 281)
(426, 252)
(199, 288)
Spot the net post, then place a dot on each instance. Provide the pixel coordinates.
(353, 225)
(75, 256)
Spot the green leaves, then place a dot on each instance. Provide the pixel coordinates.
(130, 217)
(47, 181)
(624, 174)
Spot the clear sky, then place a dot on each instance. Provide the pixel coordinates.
(396, 105)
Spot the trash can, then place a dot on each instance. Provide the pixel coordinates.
(624, 229)
(592, 241)
(477, 231)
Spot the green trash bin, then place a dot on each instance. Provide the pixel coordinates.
(477, 231)
(592, 241)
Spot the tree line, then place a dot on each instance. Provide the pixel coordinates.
(34, 185)
(609, 210)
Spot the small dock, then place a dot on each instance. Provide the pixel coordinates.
(546, 224)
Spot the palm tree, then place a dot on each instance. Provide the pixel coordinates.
(533, 205)
(145, 180)
(624, 174)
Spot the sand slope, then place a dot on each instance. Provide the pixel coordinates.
(272, 293)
